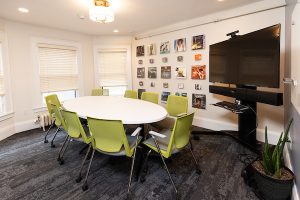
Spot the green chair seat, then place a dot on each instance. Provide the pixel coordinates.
(150, 96)
(131, 94)
(100, 92)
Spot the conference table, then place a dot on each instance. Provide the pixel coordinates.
(130, 111)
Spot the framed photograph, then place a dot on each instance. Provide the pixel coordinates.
(180, 45)
(151, 61)
(198, 57)
(166, 72)
(179, 58)
(151, 49)
(152, 84)
(152, 72)
(198, 87)
(164, 59)
(180, 85)
(165, 85)
(177, 94)
(198, 42)
(199, 72)
(164, 96)
(199, 101)
(140, 91)
(141, 83)
(140, 51)
(180, 73)
(141, 72)
(164, 47)
(140, 62)
(184, 94)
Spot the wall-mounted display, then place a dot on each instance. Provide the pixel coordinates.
(198, 87)
(141, 72)
(166, 72)
(180, 45)
(152, 84)
(164, 96)
(180, 85)
(140, 51)
(198, 57)
(179, 58)
(164, 59)
(184, 94)
(140, 91)
(198, 42)
(164, 47)
(140, 62)
(180, 73)
(199, 72)
(141, 83)
(199, 101)
(151, 61)
(165, 85)
(152, 72)
(151, 49)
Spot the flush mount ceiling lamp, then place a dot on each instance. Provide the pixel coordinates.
(101, 12)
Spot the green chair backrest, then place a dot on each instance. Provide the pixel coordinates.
(176, 105)
(150, 96)
(131, 94)
(181, 132)
(59, 120)
(100, 92)
(74, 126)
(108, 135)
(52, 99)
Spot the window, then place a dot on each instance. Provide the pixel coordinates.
(2, 90)
(58, 70)
(112, 70)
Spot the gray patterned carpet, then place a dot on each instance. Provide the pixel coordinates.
(29, 170)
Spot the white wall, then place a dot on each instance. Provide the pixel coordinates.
(212, 118)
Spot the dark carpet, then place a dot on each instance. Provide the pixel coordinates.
(29, 170)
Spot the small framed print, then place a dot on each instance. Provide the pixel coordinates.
(152, 72)
(177, 94)
(151, 61)
(164, 96)
(198, 72)
(151, 49)
(141, 83)
(164, 47)
(164, 59)
(140, 91)
(180, 45)
(140, 62)
(198, 87)
(152, 84)
(141, 72)
(198, 57)
(179, 58)
(180, 85)
(180, 73)
(184, 94)
(199, 101)
(140, 51)
(166, 85)
(198, 42)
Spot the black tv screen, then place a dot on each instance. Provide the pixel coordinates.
(250, 59)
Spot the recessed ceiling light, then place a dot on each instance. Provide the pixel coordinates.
(116, 31)
(221, 0)
(23, 10)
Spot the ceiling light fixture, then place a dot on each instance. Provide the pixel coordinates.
(101, 12)
(23, 10)
(116, 31)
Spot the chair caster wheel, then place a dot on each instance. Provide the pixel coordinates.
(198, 171)
(45, 141)
(142, 179)
(85, 187)
(52, 145)
(58, 159)
(61, 162)
(78, 180)
(129, 196)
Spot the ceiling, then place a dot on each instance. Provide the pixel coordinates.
(131, 16)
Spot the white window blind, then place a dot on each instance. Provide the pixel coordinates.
(111, 66)
(2, 91)
(58, 68)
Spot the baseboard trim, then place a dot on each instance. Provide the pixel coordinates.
(25, 126)
(288, 163)
(7, 131)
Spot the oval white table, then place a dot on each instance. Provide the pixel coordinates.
(130, 111)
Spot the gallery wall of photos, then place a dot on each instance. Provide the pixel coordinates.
(148, 71)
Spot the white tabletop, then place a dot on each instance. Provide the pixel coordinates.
(130, 111)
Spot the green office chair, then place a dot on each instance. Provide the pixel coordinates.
(131, 94)
(100, 92)
(59, 121)
(171, 141)
(75, 131)
(177, 105)
(150, 96)
(52, 99)
(108, 137)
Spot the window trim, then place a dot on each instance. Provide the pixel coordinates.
(97, 48)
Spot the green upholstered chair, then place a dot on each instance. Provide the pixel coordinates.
(108, 137)
(170, 141)
(150, 96)
(131, 94)
(52, 99)
(100, 92)
(59, 121)
(75, 132)
(177, 105)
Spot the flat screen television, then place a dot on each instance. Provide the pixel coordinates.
(252, 59)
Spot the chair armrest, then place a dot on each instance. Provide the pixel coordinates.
(181, 114)
(157, 134)
(136, 132)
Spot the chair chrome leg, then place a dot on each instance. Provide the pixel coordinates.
(131, 170)
(198, 170)
(162, 158)
(144, 168)
(45, 139)
(79, 178)
(83, 149)
(85, 185)
(52, 145)
(61, 162)
(59, 157)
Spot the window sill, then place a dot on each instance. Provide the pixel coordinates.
(40, 109)
(6, 116)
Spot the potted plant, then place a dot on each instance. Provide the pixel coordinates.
(272, 179)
